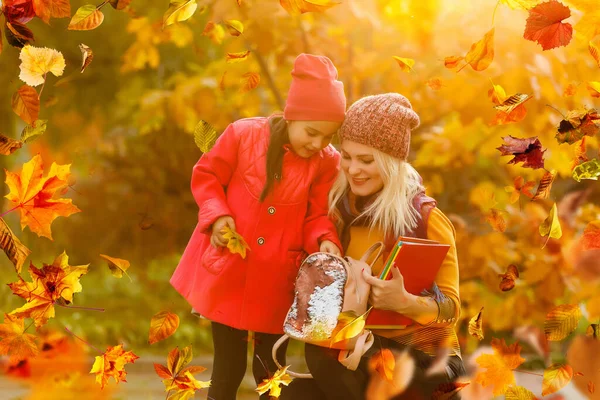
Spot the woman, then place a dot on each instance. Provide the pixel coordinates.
(379, 197)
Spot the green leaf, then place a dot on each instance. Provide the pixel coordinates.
(205, 136)
(31, 132)
(587, 170)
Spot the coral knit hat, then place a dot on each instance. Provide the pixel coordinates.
(315, 93)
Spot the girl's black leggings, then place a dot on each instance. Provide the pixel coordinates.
(229, 366)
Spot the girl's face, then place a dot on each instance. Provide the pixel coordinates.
(307, 138)
(360, 168)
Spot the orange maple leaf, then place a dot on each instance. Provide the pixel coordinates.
(481, 53)
(545, 26)
(112, 363)
(51, 283)
(177, 378)
(499, 366)
(13, 340)
(520, 187)
(33, 195)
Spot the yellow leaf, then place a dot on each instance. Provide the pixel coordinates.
(496, 220)
(162, 325)
(273, 384)
(36, 62)
(86, 18)
(112, 363)
(31, 132)
(16, 251)
(499, 366)
(179, 10)
(117, 266)
(14, 342)
(406, 64)
(556, 377)
(570, 90)
(303, 6)
(551, 225)
(26, 104)
(521, 4)
(452, 62)
(215, 32)
(594, 51)
(434, 83)
(235, 27)
(476, 325)
(594, 89)
(519, 393)
(87, 56)
(235, 242)
(349, 326)
(237, 57)
(587, 170)
(561, 321)
(481, 54)
(250, 81)
(512, 102)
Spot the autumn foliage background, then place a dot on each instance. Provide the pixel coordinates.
(126, 127)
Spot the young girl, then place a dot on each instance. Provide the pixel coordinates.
(378, 197)
(268, 180)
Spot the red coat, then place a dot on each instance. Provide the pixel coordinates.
(254, 293)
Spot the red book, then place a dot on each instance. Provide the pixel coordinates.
(419, 261)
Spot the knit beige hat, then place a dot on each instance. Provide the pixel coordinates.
(383, 121)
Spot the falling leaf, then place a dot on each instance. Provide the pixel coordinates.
(452, 61)
(215, 32)
(512, 102)
(36, 62)
(273, 384)
(179, 11)
(117, 266)
(295, 7)
(448, 390)
(162, 325)
(528, 150)
(119, 4)
(591, 236)
(434, 83)
(33, 131)
(591, 387)
(496, 220)
(250, 81)
(237, 57)
(481, 54)
(499, 366)
(578, 124)
(383, 362)
(222, 82)
(476, 325)
(508, 279)
(561, 321)
(587, 170)
(570, 90)
(349, 326)
(26, 104)
(580, 154)
(545, 26)
(595, 52)
(551, 225)
(239, 3)
(235, 27)
(18, 35)
(14, 341)
(235, 242)
(87, 55)
(16, 251)
(520, 4)
(556, 377)
(34, 195)
(520, 187)
(205, 136)
(86, 18)
(545, 186)
(112, 363)
(406, 64)
(9, 145)
(593, 331)
(439, 364)
(594, 89)
(51, 283)
(46, 9)
(519, 393)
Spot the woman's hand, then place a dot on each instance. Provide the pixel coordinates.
(390, 295)
(217, 239)
(330, 247)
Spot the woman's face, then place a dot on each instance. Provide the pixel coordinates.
(360, 168)
(309, 137)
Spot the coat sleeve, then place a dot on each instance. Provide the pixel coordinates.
(317, 224)
(211, 175)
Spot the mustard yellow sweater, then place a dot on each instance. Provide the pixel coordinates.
(427, 338)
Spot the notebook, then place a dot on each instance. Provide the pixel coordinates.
(419, 261)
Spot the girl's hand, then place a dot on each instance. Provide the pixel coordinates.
(390, 295)
(329, 247)
(217, 239)
(360, 286)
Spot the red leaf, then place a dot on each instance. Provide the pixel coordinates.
(529, 151)
(545, 26)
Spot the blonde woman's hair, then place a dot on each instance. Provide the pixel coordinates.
(392, 210)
